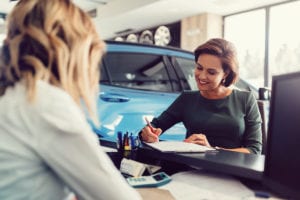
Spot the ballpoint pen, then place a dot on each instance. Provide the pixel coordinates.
(149, 125)
(119, 140)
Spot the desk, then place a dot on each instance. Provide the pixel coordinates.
(247, 167)
(250, 166)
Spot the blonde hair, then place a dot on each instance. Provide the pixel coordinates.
(54, 41)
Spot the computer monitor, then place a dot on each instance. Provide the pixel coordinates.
(282, 161)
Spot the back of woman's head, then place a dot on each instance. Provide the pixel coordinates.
(226, 52)
(53, 41)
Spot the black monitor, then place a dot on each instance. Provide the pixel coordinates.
(282, 162)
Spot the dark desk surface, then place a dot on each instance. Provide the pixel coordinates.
(248, 166)
(240, 164)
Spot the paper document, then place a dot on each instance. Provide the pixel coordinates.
(202, 185)
(178, 146)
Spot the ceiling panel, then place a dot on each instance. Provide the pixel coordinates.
(112, 16)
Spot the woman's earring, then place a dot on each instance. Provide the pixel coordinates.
(223, 81)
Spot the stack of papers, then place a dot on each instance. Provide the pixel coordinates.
(178, 147)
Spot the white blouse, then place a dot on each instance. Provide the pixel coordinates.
(48, 150)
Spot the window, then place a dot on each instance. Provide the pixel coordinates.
(247, 32)
(2, 37)
(139, 71)
(186, 73)
(284, 48)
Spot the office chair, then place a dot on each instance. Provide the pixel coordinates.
(263, 106)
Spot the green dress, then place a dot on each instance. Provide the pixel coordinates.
(231, 122)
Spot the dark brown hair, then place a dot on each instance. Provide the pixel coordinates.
(224, 50)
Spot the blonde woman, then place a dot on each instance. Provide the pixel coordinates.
(49, 77)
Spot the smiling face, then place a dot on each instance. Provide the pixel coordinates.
(209, 74)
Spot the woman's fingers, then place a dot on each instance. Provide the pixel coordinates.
(149, 136)
(157, 131)
(198, 139)
(199, 142)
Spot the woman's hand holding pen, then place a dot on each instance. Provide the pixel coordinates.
(198, 139)
(150, 134)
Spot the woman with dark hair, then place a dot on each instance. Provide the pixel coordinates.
(218, 115)
(49, 78)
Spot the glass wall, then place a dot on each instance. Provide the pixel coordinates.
(247, 32)
(267, 41)
(2, 37)
(284, 51)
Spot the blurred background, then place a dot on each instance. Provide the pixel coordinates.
(265, 32)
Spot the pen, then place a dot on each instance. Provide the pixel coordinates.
(262, 194)
(119, 140)
(148, 124)
(131, 141)
(126, 142)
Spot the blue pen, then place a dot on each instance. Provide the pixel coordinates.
(132, 142)
(261, 194)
